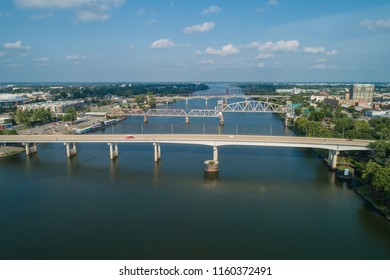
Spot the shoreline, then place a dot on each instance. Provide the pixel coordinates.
(358, 189)
(6, 151)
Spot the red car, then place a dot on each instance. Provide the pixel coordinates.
(129, 137)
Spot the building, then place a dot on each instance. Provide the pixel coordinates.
(332, 101)
(8, 100)
(58, 107)
(377, 114)
(347, 94)
(290, 91)
(363, 92)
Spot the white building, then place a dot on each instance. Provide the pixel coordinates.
(57, 107)
(8, 100)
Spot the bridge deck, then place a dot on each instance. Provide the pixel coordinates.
(197, 139)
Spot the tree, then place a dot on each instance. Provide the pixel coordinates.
(316, 115)
(299, 110)
(381, 151)
(151, 100)
(42, 115)
(377, 176)
(23, 117)
(70, 115)
(140, 99)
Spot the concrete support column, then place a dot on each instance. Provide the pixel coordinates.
(157, 152)
(70, 149)
(206, 101)
(145, 118)
(31, 148)
(113, 150)
(286, 121)
(186, 102)
(332, 159)
(221, 119)
(215, 153)
(187, 120)
(212, 166)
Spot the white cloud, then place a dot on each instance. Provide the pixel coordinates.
(13, 65)
(321, 60)
(16, 45)
(152, 22)
(2, 54)
(41, 59)
(65, 4)
(332, 52)
(265, 55)
(314, 50)
(41, 16)
(4, 14)
(204, 27)
(86, 10)
(162, 43)
(86, 15)
(228, 49)
(273, 2)
(212, 10)
(375, 24)
(75, 57)
(279, 46)
(253, 45)
(323, 66)
(206, 62)
(260, 65)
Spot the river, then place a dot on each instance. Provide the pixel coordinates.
(265, 203)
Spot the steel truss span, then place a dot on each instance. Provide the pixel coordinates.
(255, 106)
(204, 113)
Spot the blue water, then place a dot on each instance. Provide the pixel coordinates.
(265, 203)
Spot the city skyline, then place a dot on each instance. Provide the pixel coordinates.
(262, 41)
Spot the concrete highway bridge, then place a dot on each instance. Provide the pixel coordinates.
(333, 145)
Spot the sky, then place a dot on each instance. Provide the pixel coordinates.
(194, 40)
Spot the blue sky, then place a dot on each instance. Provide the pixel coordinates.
(194, 40)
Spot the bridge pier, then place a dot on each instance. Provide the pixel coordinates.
(187, 120)
(221, 119)
(145, 118)
(114, 152)
(206, 101)
(71, 149)
(212, 166)
(332, 159)
(157, 152)
(31, 148)
(186, 102)
(286, 121)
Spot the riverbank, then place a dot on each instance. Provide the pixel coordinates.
(9, 150)
(380, 206)
(360, 189)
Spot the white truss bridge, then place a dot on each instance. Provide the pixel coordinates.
(255, 106)
(242, 106)
(202, 113)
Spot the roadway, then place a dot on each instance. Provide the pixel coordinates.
(335, 144)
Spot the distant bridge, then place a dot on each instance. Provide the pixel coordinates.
(242, 106)
(255, 106)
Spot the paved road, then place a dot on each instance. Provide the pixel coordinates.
(197, 139)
